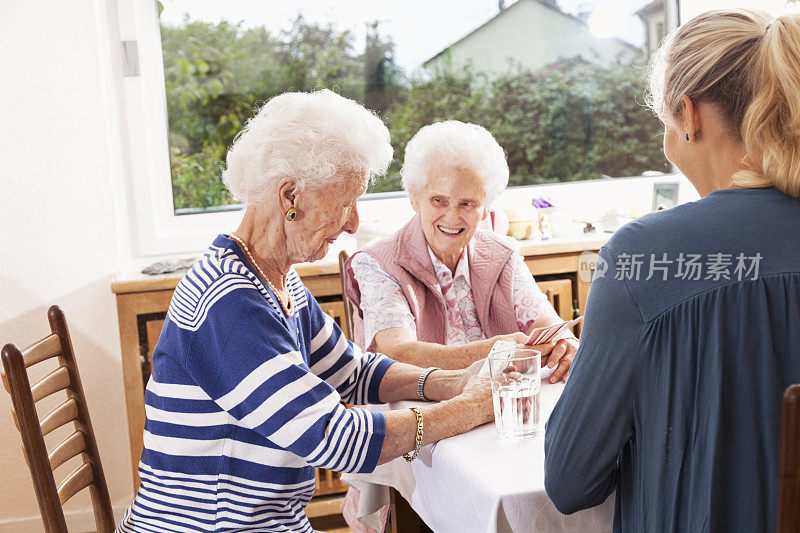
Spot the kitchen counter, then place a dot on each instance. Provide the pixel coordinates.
(130, 282)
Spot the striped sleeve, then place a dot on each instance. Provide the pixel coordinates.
(355, 375)
(249, 362)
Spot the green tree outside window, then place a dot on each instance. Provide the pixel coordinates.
(566, 122)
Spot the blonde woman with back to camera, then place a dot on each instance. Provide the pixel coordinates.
(675, 396)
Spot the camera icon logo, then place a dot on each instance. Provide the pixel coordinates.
(591, 267)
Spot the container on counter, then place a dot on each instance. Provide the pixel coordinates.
(523, 223)
(545, 210)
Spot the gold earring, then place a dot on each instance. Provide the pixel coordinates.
(291, 214)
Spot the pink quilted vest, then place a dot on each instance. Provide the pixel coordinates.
(404, 256)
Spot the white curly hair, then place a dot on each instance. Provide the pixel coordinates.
(315, 138)
(457, 144)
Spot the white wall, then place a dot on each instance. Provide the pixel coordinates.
(61, 231)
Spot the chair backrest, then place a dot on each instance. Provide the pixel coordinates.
(348, 310)
(81, 442)
(789, 488)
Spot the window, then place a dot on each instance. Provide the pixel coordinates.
(559, 84)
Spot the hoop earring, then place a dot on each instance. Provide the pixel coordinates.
(291, 214)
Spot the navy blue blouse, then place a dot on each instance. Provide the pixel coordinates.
(691, 335)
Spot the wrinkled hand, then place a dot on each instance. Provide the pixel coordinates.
(471, 370)
(478, 392)
(558, 353)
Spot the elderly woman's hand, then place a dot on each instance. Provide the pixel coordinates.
(466, 374)
(478, 393)
(558, 353)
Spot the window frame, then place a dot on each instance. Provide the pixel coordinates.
(156, 229)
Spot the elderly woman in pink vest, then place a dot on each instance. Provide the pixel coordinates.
(441, 291)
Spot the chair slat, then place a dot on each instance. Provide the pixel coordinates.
(46, 348)
(66, 412)
(80, 443)
(25, 455)
(5, 381)
(348, 311)
(72, 446)
(14, 416)
(75, 482)
(53, 382)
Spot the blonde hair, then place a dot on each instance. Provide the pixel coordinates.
(746, 63)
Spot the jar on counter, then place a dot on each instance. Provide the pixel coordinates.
(523, 223)
(546, 222)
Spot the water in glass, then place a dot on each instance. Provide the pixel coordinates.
(516, 382)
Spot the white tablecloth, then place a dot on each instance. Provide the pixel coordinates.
(479, 482)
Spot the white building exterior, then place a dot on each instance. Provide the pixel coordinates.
(529, 35)
(654, 19)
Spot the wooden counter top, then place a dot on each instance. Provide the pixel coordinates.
(563, 246)
(130, 282)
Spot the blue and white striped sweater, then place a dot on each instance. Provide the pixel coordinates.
(243, 402)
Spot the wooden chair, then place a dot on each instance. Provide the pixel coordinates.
(81, 442)
(559, 294)
(348, 310)
(789, 488)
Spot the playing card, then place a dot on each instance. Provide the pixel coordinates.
(558, 331)
(497, 348)
(566, 326)
(546, 334)
(538, 334)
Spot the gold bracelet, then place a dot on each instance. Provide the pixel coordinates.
(418, 444)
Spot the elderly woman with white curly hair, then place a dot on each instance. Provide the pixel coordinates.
(248, 374)
(442, 290)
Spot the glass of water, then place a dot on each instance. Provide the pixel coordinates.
(516, 380)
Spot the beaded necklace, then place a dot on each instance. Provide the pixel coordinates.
(287, 308)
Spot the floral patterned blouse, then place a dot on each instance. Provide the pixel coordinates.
(384, 306)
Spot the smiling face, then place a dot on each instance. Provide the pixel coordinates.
(322, 215)
(450, 206)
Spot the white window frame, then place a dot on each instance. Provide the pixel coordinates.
(155, 228)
